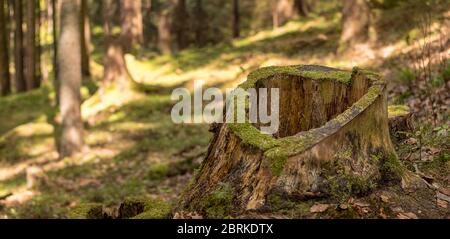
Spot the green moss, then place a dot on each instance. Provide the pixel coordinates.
(392, 169)
(158, 171)
(144, 208)
(252, 136)
(398, 110)
(87, 211)
(217, 204)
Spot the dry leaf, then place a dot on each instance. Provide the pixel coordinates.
(443, 197)
(407, 215)
(384, 198)
(318, 208)
(445, 191)
(442, 203)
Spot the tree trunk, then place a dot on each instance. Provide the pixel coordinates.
(5, 87)
(115, 69)
(55, 47)
(165, 33)
(132, 25)
(236, 19)
(200, 23)
(69, 78)
(30, 47)
(282, 11)
(18, 47)
(38, 76)
(181, 24)
(355, 22)
(333, 140)
(304, 7)
(85, 38)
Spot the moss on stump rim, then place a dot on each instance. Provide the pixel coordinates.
(278, 150)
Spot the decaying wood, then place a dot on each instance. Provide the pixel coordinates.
(333, 138)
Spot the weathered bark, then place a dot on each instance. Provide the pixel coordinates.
(115, 69)
(355, 22)
(132, 25)
(18, 48)
(5, 87)
(333, 139)
(304, 7)
(85, 38)
(165, 32)
(282, 11)
(69, 78)
(181, 24)
(30, 46)
(236, 19)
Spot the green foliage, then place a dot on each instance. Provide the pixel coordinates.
(218, 203)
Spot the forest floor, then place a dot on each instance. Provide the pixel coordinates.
(134, 149)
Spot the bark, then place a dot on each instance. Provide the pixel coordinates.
(181, 24)
(5, 87)
(355, 22)
(18, 48)
(115, 69)
(85, 38)
(236, 19)
(30, 46)
(333, 139)
(164, 32)
(69, 78)
(38, 65)
(132, 25)
(282, 11)
(304, 7)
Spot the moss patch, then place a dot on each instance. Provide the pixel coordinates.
(142, 208)
(87, 211)
(217, 204)
(398, 110)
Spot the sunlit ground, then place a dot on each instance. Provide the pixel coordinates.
(134, 149)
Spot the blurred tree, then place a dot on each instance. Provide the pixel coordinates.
(5, 86)
(38, 52)
(30, 46)
(236, 19)
(304, 7)
(85, 38)
(165, 31)
(200, 23)
(282, 11)
(115, 70)
(18, 48)
(132, 26)
(69, 78)
(181, 24)
(355, 22)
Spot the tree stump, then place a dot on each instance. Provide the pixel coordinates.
(333, 140)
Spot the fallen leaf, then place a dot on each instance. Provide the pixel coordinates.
(361, 204)
(318, 208)
(407, 215)
(442, 196)
(384, 198)
(442, 203)
(343, 206)
(445, 191)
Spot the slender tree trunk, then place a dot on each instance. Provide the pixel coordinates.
(282, 11)
(38, 77)
(30, 47)
(132, 25)
(69, 77)
(4, 51)
(355, 22)
(55, 47)
(165, 33)
(180, 24)
(18, 47)
(201, 24)
(236, 19)
(115, 69)
(85, 38)
(304, 7)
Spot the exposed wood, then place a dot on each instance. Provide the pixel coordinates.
(333, 138)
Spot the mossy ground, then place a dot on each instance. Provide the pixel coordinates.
(136, 150)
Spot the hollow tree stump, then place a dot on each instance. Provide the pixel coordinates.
(333, 139)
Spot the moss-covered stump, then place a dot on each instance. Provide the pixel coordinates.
(87, 211)
(140, 208)
(333, 139)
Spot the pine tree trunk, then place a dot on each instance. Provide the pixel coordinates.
(200, 23)
(355, 22)
(282, 11)
(18, 48)
(181, 24)
(236, 19)
(333, 139)
(164, 33)
(69, 78)
(5, 87)
(85, 38)
(132, 25)
(115, 68)
(38, 66)
(30, 47)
